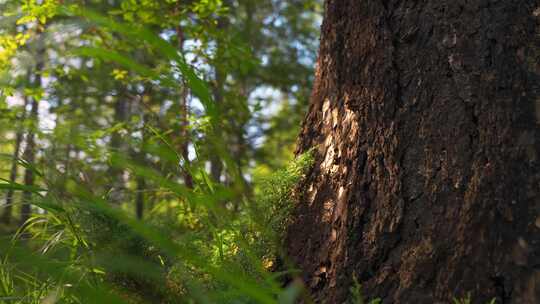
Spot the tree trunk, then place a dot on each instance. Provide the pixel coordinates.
(184, 118)
(218, 88)
(29, 154)
(8, 207)
(118, 145)
(425, 185)
(140, 196)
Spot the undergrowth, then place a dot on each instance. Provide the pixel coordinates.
(274, 202)
(356, 296)
(82, 249)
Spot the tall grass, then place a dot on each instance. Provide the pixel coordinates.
(82, 249)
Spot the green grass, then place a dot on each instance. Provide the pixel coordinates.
(85, 249)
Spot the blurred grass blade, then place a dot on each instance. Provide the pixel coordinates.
(20, 187)
(60, 271)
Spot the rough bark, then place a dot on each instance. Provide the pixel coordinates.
(426, 182)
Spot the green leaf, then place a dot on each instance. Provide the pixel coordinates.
(196, 84)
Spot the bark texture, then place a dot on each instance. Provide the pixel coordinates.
(426, 182)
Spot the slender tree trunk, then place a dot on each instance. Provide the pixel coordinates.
(59, 156)
(140, 180)
(218, 89)
(184, 119)
(216, 166)
(184, 147)
(425, 185)
(8, 208)
(139, 198)
(29, 154)
(118, 145)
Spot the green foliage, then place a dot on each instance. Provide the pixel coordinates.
(356, 296)
(467, 300)
(136, 139)
(276, 194)
(464, 300)
(93, 242)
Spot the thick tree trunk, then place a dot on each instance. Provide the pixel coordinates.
(426, 182)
